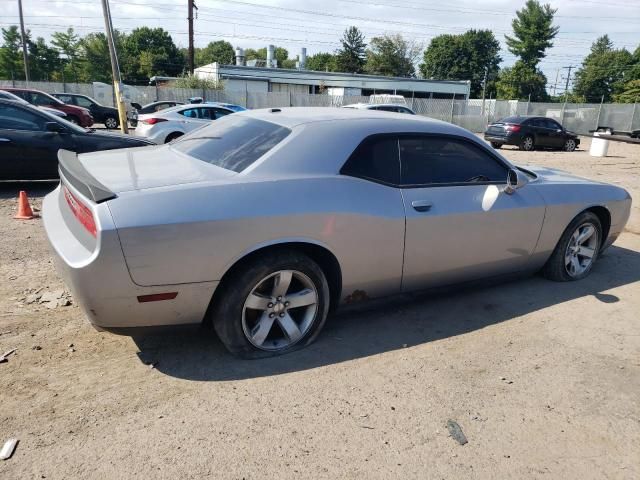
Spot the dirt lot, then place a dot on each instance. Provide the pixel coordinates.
(543, 378)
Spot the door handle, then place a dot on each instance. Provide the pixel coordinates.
(421, 205)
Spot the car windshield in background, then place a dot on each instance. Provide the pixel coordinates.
(233, 142)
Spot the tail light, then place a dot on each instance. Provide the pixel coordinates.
(153, 121)
(81, 212)
(513, 128)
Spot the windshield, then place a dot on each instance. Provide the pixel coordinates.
(234, 142)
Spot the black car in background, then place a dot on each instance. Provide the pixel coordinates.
(529, 133)
(149, 108)
(99, 112)
(30, 140)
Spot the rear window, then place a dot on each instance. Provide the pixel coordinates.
(514, 120)
(234, 142)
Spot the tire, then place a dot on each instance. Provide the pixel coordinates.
(111, 122)
(173, 136)
(238, 325)
(527, 144)
(496, 145)
(73, 120)
(133, 123)
(569, 145)
(558, 268)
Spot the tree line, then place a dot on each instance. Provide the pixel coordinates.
(606, 73)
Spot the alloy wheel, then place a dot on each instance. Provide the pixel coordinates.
(280, 310)
(527, 143)
(581, 250)
(111, 123)
(570, 145)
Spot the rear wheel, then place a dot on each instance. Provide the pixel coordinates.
(577, 250)
(111, 122)
(527, 144)
(173, 136)
(271, 306)
(496, 145)
(569, 145)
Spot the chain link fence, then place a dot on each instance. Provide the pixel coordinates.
(471, 114)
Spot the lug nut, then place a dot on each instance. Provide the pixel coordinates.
(270, 305)
(282, 315)
(286, 304)
(279, 298)
(271, 315)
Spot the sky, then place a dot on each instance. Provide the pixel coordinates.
(318, 25)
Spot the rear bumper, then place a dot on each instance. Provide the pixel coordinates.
(502, 139)
(99, 279)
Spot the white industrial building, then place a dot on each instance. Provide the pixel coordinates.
(261, 76)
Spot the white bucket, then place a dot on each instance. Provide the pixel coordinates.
(599, 146)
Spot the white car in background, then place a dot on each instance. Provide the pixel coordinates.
(385, 107)
(167, 125)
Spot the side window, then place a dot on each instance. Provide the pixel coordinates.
(39, 99)
(66, 99)
(446, 160)
(552, 124)
(83, 102)
(221, 113)
(13, 118)
(207, 114)
(375, 159)
(190, 112)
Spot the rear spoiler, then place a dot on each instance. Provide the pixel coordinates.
(78, 176)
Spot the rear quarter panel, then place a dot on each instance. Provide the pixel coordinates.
(197, 232)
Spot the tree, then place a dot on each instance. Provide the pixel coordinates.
(393, 56)
(533, 32)
(603, 72)
(322, 62)
(11, 64)
(220, 51)
(463, 57)
(95, 52)
(68, 43)
(630, 92)
(351, 57)
(520, 81)
(44, 61)
(193, 82)
(148, 52)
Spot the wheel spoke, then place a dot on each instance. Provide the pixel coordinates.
(302, 298)
(281, 283)
(575, 265)
(257, 302)
(290, 327)
(586, 234)
(261, 330)
(586, 251)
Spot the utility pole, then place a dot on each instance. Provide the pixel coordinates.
(191, 6)
(115, 68)
(566, 87)
(555, 84)
(25, 57)
(484, 87)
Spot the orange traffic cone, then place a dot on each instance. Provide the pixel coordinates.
(24, 209)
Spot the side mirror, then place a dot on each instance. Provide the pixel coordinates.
(515, 180)
(54, 127)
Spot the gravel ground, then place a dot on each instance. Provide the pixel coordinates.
(542, 378)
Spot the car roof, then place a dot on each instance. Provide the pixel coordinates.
(293, 116)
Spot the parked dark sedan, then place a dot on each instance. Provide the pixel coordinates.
(100, 113)
(149, 108)
(529, 133)
(30, 140)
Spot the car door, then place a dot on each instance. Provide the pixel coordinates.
(93, 108)
(555, 133)
(195, 118)
(539, 130)
(460, 224)
(27, 150)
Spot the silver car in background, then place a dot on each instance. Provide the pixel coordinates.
(263, 221)
(167, 125)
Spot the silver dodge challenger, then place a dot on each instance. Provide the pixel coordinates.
(265, 220)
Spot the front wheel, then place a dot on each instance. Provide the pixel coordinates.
(111, 123)
(527, 144)
(73, 120)
(496, 145)
(577, 250)
(569, 145)
(172, 136)
(271, 306)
